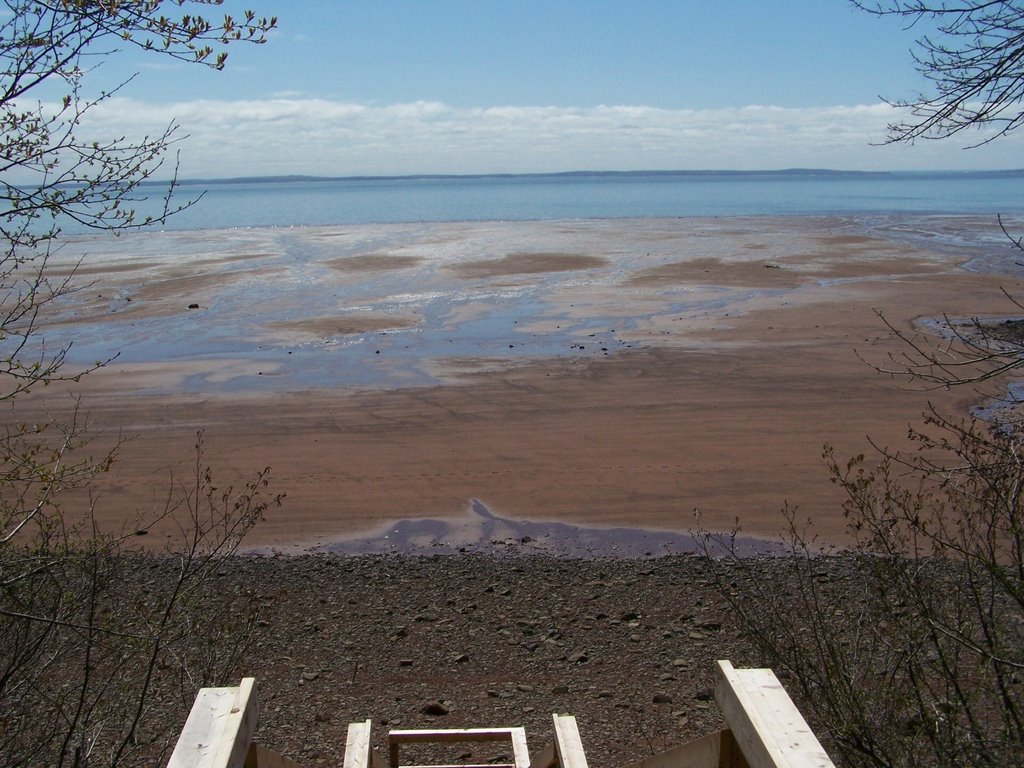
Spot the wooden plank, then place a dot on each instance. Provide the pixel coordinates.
(219, 728)
(767, 726)
(451, 735)
(357, 745)
(516, 737)
(568, 745)
(520, 752)
(705, 752)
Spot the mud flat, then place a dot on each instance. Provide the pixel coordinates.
(599, 374)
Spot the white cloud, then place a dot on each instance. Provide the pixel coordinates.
(322, 137)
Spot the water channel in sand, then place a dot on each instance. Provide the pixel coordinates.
(480, 531)
(413, 305)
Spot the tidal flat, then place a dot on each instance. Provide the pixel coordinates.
(620, 373)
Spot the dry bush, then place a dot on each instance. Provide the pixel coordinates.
(100, 639)
(908, 649)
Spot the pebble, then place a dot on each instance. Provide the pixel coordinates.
(435, 709)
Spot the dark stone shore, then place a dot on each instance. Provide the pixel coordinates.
(627, 646)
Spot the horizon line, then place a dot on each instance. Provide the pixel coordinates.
(287, 178)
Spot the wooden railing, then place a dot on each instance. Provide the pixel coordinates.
(764, 730)
(515, 736)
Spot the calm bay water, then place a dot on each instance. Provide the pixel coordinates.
(592, 196)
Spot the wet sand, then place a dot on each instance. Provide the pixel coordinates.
(604, 375)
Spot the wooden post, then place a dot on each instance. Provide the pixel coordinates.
(767, 726)
(358, 753)
(219, 728)
(567, 742)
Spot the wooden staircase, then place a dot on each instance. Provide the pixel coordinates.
(764, 730)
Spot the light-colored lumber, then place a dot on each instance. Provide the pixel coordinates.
(219, 729)
(357, 745)
(766, 724)
(568, 745)
(515, 736)
(451, 735)
(520, 751)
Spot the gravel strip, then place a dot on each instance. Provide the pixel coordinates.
(627, 646)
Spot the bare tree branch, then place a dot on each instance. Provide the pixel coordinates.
(86, 635)
(973, 57)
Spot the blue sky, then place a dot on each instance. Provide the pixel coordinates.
(411, 86)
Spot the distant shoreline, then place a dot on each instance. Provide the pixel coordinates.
(800, 173)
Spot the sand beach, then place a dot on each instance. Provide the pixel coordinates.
(532, 383)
